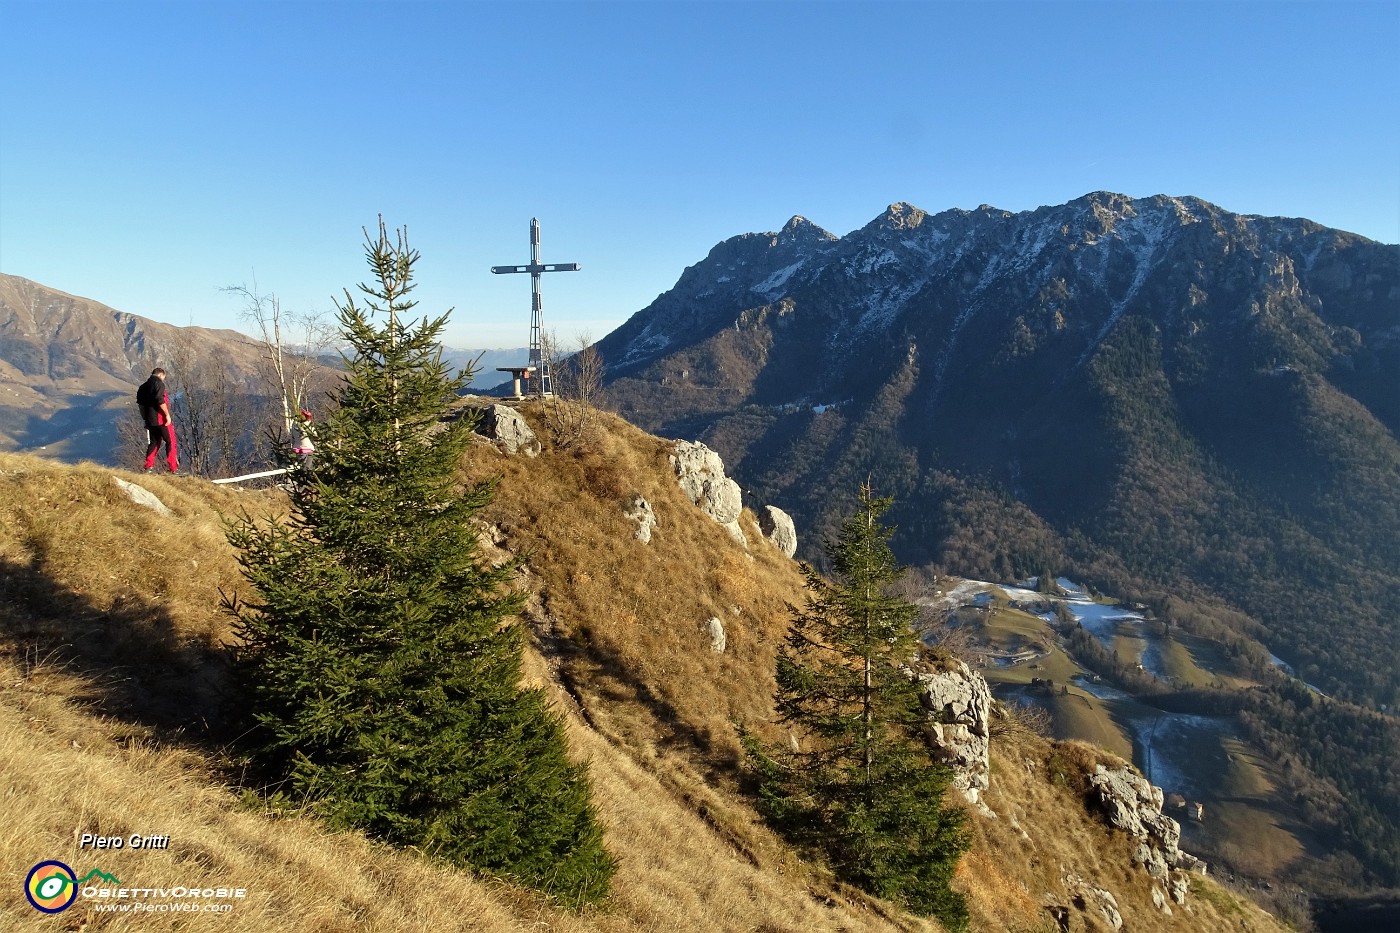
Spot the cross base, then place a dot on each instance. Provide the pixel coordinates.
(517, 375)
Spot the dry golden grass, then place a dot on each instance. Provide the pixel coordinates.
(111, 670)
(84, 748)
(1038, 789)
(627, 619)
(116, 589)
(67, 771)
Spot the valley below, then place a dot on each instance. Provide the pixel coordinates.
(1230, 800)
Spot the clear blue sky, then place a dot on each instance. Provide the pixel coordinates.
(152, 152)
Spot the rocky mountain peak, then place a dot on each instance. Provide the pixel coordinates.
(1085, 265)
(800, 231)
(1110, 201)
(902, 215)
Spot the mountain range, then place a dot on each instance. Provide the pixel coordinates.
(1193, 410)
(1156, 393)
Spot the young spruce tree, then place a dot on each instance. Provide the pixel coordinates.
(860, 787)
(381, 669)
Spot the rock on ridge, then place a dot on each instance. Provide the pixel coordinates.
(959, 705)
(700, 472)
(142, 496)
(778, 528)
(508, 429)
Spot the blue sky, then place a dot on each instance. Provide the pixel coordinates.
(153, 152)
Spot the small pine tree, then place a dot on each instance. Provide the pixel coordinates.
(860, 786)
(381, 671)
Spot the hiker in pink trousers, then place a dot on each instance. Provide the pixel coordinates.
(155, 412)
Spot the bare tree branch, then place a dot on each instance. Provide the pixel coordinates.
(293, 345)
(572, 415)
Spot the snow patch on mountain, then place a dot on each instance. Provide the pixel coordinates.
(772, 286)
(1142, 235)
(883, 304)
(646, 345)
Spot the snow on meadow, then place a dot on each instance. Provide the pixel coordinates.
(1176, 751)
(965, 593)
(1099, 619)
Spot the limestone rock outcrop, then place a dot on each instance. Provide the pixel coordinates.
(959, 705)
(778, 528)
(718, 640)
(503, 424)
(1159, 900)
(700, 472)
(141, 496)
(640, 511)
(1088, 897)
(1134, 805)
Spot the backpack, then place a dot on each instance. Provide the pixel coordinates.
(150, 395)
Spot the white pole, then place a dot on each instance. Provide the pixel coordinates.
(239, 479)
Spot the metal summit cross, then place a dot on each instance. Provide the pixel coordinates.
(538, 362)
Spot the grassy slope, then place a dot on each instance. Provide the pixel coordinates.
(110, 701)
(1076, 713)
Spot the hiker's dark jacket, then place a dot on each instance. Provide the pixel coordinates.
(151, 396)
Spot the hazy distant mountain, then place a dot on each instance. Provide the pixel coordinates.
(69, 367)
(486, 362)
(1157, 391)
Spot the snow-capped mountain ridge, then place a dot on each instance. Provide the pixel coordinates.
(1086, 264)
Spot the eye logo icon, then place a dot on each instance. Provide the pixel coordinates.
(51, 887)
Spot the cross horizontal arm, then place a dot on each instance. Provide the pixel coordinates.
(535, 268)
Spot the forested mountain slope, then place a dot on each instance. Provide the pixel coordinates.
(1167, 397)
(1187, 408)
